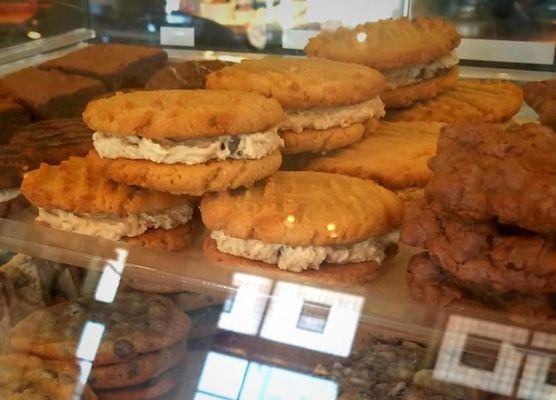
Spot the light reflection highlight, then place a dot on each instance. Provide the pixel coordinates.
(109, 281)
(228, 377)
(339, 317)
(361, 37)
(244, 311)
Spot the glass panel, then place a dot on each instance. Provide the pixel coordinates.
(24, 21)
(246, 25)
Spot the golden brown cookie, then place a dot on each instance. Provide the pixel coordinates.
(301, 83)
(183, 113)
(165, 239)
(470, 100)
(304, 209)
(195, 179)
(387, 44)
(87, 190)
(24, 377)
(344, 274)
(395, 155)
(404, 96)
(319, 141)
(140, 370)
(146, 323)
(153, 389)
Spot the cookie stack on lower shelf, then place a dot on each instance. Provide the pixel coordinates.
(488, 220)
(140, 342)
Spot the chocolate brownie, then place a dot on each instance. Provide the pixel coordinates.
(185, 75)
(484, 171)
(14, 162)
(117, 65)
(52, 94)
(12, 116)
(430, 284)
(541, 96)
(56, 140)
(490, 256)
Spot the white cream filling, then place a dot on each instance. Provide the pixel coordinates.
(332, 117)
(9, 194)
(115, 227)
(187, 151)
(301, 258)
(396, 78)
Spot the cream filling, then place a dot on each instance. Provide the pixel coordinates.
(396, 78)
(115, 227)
(187, 151)
(332, 117)
(301, 258)
(9, 194)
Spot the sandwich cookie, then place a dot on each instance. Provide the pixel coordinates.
(94, 205)
(395, 155)
(416, 57)
(327, 103)
(470, 100)
(330, 227)
(186, 142)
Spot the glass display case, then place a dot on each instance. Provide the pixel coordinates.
(83, 317)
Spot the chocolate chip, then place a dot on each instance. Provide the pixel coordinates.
(123, 348)
(233, 144)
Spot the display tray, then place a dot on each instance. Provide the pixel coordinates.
(258, 320)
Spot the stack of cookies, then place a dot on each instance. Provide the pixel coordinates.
(488, 220)
(418, 58)
(140, 356)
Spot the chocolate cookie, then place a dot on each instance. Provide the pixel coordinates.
(484, 171)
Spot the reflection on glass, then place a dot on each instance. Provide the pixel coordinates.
(233, 378)
(244, 311)
(501, 379)
(222, 376)
(110, 279)
(357, 12)
(90, 341)
(86, 353)
(336, 313)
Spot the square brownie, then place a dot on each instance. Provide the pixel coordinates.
(52, 94)
(12, 116)
(55, 140)
(117, 65)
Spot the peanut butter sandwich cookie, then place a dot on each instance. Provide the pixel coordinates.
(94, 205)
(134, 324)
(330, 227)
(417, 57)
(395, 155)
(327, 103)
(186, 142)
